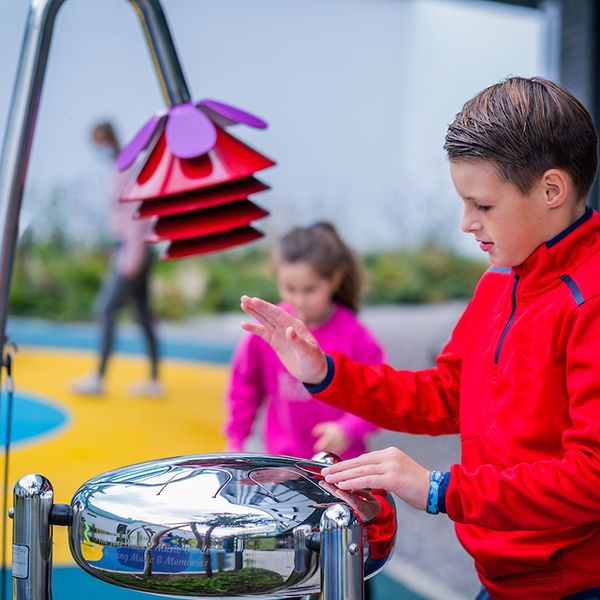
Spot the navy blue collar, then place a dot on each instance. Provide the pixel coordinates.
(563, 234)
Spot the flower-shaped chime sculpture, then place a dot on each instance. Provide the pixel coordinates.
(193, 178)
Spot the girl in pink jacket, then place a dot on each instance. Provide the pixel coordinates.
(320, 282)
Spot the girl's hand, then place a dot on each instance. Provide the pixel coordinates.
(289, 337)
(390, 469)
(330, 437)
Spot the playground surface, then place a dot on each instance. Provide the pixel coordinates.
(70, 438)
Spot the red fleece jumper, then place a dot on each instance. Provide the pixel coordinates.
(520, 381)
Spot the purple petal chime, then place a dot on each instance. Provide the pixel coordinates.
(193, 178)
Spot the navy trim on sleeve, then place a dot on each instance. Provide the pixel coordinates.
(319, 387)
(577, 296)
(586, 594)
(442, 492)
(584, 217)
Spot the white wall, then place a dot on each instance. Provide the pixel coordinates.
(358, 94)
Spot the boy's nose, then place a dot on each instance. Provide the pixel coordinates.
(470, 223)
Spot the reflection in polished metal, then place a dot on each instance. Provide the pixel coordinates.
(327, 457)
(227, 526)
(341, 554)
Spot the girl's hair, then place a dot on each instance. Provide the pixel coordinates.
(106, 130)
(321, 247)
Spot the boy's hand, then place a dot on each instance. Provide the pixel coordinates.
(365, 504)
(289, 337)
(390, 469)
(330, 437)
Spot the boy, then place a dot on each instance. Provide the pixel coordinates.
(520, 376)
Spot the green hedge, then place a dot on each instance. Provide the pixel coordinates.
(55, 281)
(425, 275)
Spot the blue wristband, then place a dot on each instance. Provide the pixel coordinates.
(435, 480)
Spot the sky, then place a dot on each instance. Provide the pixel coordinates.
(357, 93)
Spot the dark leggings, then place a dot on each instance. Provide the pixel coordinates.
(118, 290)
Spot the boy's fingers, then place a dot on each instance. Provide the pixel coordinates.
(344, 465)
(264, 308)
(277, 315)
(286, 320)
(359, 471)
(261, 304)
(371, 481)
(297, 338)
(254, 328)
(250, 307)
(249, 311)
(259, 316)
(270, 314)
(335, 491)
(370, 458)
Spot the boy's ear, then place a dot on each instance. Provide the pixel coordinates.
(556, 187)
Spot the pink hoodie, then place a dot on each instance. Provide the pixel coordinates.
(291, 412)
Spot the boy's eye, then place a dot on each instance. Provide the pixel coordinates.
(482, 207)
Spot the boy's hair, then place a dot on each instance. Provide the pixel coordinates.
(526, 126)
(321, 247)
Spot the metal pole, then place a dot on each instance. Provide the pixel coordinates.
(19, 135)
(32, 539)
(162, 50)
(342, 546)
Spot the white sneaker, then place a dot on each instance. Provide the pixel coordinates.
(90, 385)
(150, 388)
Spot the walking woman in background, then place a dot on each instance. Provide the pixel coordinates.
(127, 280)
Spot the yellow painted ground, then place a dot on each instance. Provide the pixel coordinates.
(114, 430)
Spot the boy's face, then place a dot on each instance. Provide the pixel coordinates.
(507, 224)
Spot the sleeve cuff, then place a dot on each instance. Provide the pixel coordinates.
(319, 387)
(442, 492)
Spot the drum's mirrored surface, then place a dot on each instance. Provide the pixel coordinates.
(217, 526)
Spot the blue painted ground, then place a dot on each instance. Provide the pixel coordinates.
(75, 584)
(59, 335)
(32, 416)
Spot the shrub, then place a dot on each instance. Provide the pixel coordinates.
(430, 274)
(51, 280)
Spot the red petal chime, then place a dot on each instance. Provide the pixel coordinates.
(197, 203)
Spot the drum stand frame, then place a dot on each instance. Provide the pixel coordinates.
(34, 513)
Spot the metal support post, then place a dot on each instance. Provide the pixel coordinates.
(342, 546)
(32, 539)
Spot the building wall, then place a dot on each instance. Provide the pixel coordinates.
(579, 58)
